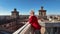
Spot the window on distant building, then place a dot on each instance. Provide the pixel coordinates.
(4, 25)
(10, 24)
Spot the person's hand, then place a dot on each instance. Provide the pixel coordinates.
(29, 16)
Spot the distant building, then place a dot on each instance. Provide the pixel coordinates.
(42, 12)
(15, 13)
(11, 23)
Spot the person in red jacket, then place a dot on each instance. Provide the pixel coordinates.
(34, 22)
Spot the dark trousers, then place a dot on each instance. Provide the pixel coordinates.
(37, 32)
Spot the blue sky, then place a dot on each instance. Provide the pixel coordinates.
(24, 6)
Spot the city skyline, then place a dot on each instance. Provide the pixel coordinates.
(24, 6)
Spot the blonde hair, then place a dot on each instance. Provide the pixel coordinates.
(32, 11)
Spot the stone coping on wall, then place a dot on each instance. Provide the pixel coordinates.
(50, 24)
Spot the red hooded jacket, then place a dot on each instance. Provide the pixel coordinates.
(34, 22)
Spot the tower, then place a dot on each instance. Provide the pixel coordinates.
(42, 12)
(15, 13)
